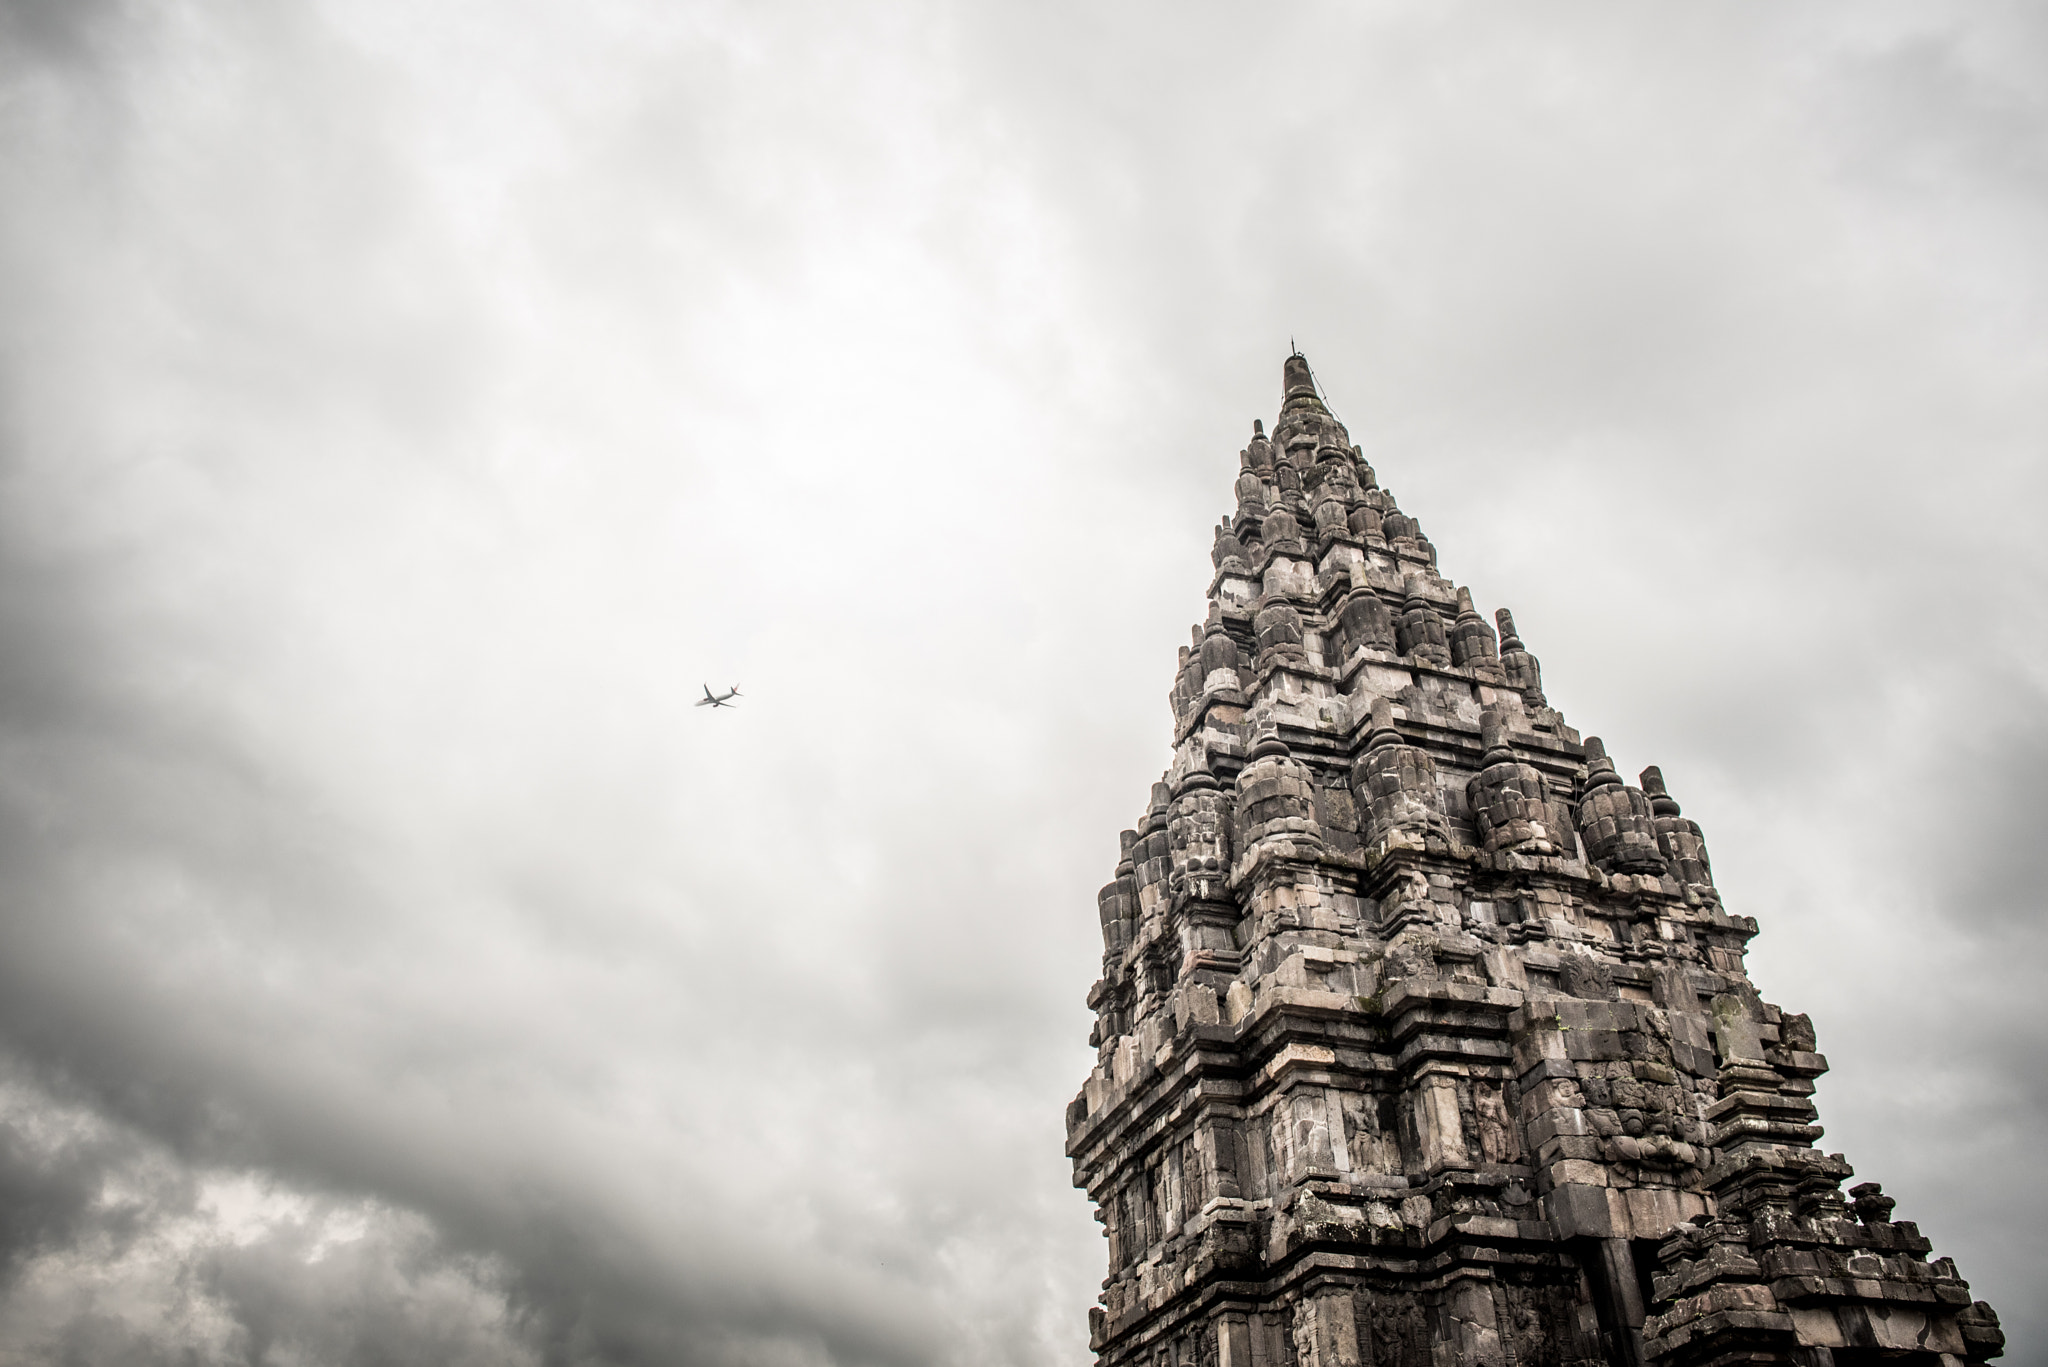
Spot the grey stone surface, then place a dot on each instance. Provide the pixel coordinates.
(1423, 1038)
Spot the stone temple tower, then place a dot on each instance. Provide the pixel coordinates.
(1424, 1037)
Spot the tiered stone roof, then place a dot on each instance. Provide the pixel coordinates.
(1424, 1038)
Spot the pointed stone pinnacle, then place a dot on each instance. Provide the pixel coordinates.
(1295, 377)
(1599, 768)
(1364, 896)
(1382, 732)
(1493, 738)
(1661, 801)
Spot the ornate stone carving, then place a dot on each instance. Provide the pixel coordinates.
(1363, 621)
(1396, 783)
(1386, 1072)
(1420, 631)
(1614, 819)
(1511, 802)
(1524, 674)
(1471, 640)
(1683, 843)
(1277, 795)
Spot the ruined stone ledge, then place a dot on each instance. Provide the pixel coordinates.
(1153, 1100)
(1289, 855)
(1903, 1330)
(1541, 865)
(1559, 754)
(1462, 1048)
(1800, 1290)
(1754, 1106)
(1275, 1020)
(1667, 1335)
(1312, 1272)
(1797, 1064)
(1720, 1263)
(1493, 1228)
(1409, 995)
(1737, 1133)
(1604, 1212)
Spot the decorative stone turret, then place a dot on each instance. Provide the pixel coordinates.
(1198, 838)
(1253, 493)
(1218, 659)
(1228, 551)
(1364, 622)
(1511, 802)
(1187, 687)
(1259, 455)
(1471, 640)
(1279, 533)
(1523, 673)
(1614, 819)
(1280, 636)
(1287, 478)
(1114, 909)
(1305, 423)
(1396, 784)
(1400, 528)
(1683, 843)
(1420, 633)
(1364, 521)
(1277, 796)
(1423, 1040)
(1333, 512)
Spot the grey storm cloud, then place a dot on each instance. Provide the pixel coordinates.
(405, 411)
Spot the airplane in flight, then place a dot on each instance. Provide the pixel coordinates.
(721, 700)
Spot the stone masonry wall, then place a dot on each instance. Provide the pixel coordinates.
(1423, 1037)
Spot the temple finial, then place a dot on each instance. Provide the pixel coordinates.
(1305, 422)
(1661, 801)
(1599, 768)
(1493, 738)
(1380, 731)
(1523, 670)
(1297, 381)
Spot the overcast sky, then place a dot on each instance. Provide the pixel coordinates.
(405, 409)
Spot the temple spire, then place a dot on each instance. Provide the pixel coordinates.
(1298, 385)
(1430, 1040)
(1305, 421)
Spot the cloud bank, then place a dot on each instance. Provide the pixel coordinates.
(404, 412)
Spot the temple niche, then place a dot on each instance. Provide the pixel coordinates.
(1423, 1037)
